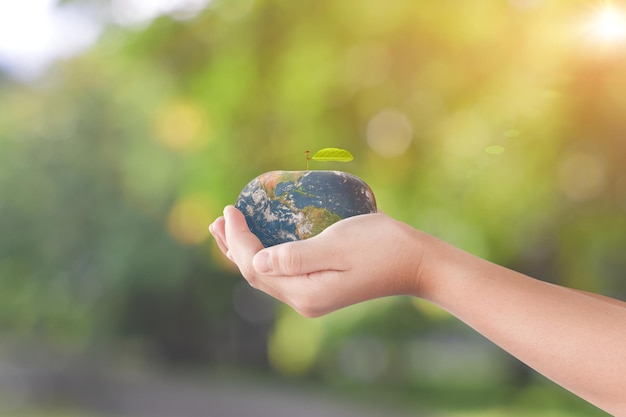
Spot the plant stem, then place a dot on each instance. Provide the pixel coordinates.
(306, 154)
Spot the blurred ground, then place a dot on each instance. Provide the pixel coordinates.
(51, 386)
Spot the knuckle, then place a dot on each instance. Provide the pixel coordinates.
(307, 308)
(254, 283)
(250, 276)
(310, 314)
(290, 260)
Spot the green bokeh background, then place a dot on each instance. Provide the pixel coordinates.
(498, 126)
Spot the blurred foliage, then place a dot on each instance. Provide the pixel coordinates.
(495, 125)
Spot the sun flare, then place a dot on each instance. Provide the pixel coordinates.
(608, 24)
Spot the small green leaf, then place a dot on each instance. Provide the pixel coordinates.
(332, 154)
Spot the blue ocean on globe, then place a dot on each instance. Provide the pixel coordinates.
(283, 206)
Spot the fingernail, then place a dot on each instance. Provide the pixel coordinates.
(262, 262)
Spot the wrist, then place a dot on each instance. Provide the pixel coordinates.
(428, 276)
(417, 249)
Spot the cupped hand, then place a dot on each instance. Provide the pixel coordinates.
(354, 260)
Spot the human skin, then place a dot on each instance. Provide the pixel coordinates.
(576, 339)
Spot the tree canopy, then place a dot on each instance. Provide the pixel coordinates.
(497, 126)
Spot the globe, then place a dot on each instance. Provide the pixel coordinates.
(284, 206)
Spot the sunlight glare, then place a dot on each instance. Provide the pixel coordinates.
(138, 13)
(608, 25)
(34, 33)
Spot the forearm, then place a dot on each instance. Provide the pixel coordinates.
(615, 302)
(577, 340)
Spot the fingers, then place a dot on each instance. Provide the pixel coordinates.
(328, 251)
(242, 245)
(298, 258)
(235, 240)
(217, 230)
(349, 262)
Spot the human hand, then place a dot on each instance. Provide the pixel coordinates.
(356, 259)
(372, 255)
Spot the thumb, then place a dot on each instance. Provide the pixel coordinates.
(299, 258)
(242, 244)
